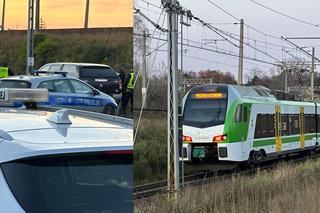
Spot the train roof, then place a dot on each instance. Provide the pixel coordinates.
(243, 91)
(250, 94)
(253, 91)
(27, 133)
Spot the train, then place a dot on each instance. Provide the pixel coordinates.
(245, 124)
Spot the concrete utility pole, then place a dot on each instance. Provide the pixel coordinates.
(182, 92)
(30, 58)
(312, 75)
(181, 67)
(173, 183)
(240, 67)
(3, 14)
(286, 80)
(37, 21)
(144, 69)
(86, 18)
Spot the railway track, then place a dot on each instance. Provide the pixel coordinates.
(149, 190)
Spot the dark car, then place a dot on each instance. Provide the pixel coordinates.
(100, 76)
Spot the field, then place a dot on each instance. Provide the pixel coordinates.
(150, 148)
(112, 46)
(289, 188)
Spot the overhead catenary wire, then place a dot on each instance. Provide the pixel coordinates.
(226, 35)
(299, 48)
(148, 83)
(228, 13)
(216, 31)
(154, 5)
(246, 43)
(285, 15)
(221, 52)
(149, 20)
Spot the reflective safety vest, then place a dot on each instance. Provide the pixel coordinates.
(131, 81)
(4, 72)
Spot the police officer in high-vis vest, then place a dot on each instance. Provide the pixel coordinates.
(128, 94)
(5, 71)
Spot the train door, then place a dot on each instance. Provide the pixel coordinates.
(302, 127)
(242, 117)
(278, 129)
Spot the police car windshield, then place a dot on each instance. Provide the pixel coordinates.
(86, 183)
(97, 72)
(14, 84)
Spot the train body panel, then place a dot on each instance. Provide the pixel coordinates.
(238, 123)
(204, 135)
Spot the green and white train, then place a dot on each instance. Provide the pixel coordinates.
(245, 124)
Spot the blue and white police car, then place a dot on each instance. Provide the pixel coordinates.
(63, 161)
(65, 91)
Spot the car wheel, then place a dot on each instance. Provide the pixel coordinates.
(109, 110)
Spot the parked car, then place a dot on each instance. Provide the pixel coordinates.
(65, 91)
(63, 160)
(100, 76)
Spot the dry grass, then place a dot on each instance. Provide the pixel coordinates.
(290, 188)
(150, 149)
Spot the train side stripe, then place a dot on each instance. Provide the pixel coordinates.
(272, 141)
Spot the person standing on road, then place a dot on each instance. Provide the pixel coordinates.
(122, 77)
(5, 71)
(129, 85)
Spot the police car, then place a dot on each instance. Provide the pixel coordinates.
(63, 160)
(68, 92)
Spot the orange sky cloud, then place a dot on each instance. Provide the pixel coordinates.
(70, 13)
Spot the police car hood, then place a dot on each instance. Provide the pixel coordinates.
(34, 135)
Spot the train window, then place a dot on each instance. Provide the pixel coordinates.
(245, 114)
(294, 125)
(318, 123)
(204, 113)
(257, 132)
(238, 114)
(264, 126)
(241, 114)
(313, 123)
(270, 123)
(310, 123)
(285, 124)
(307, 127)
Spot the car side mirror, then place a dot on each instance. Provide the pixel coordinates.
(96, 92)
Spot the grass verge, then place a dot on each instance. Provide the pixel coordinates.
(289, 188)
(150, 148)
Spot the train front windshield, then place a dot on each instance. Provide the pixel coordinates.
(205, 109)
(86, 183)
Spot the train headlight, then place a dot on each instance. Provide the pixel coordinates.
(187, 139)
(219, 138)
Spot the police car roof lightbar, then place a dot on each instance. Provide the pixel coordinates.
(24, 95)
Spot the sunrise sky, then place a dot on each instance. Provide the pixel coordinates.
(70, 13)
